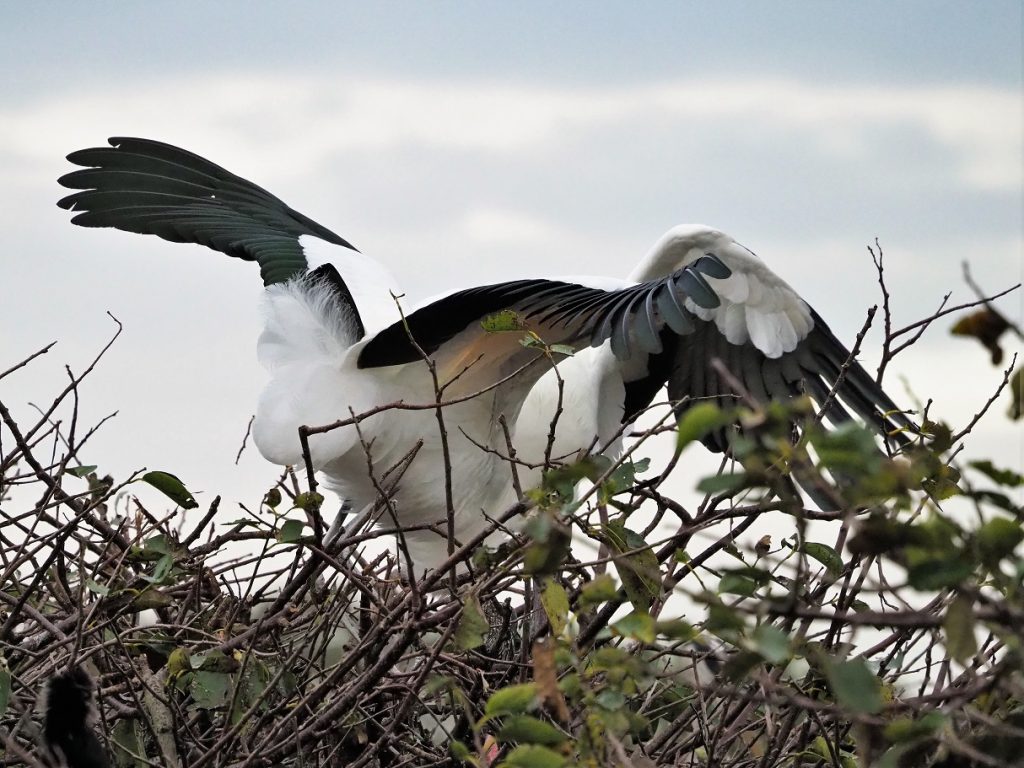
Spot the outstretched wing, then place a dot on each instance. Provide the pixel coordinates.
(774, 344)
(152, 188)
(477, 334)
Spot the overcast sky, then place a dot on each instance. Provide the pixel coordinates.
(466, 143)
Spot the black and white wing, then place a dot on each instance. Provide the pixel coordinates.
(152, 188)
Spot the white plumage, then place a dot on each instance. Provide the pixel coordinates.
(334, 347)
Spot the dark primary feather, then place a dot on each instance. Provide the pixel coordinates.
(66, 732)
(152, 188)
(812, 368)
(559, 312)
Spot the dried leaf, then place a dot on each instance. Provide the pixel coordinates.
(545, 675)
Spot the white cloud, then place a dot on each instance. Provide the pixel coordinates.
(243, 115)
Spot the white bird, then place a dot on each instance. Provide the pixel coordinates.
(335, 345)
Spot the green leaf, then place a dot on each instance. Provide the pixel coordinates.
(934, 574)
(171, 487)
(1005, 477)
(739, 665)
(81, 471)
(698, 421)
(309, 502)
(636, 563)
(533, 756)
(562, 349)
(771, 643)
(5, 688)
(210, 689)
(512, 700)
(551, 540)
(727, 481)
(97, 588)
(623, 478)
(161, 570)
(473, 625)
(290, 531)
(638, 625)
(998, 538)
(1016, 393)
(610, 699)
(459, 750)
(563, 480)
(556, 606)
(502, 321)
(723, 621)
(743, 581)
(677, 629)
(599, 590)
(128, 738)
(959, 628)
(272, 498)
(526, 729)
(825, 555)
(149, 599)
(904, 729)
(850, 447)
(855, 686)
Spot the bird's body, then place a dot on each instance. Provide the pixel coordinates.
(337, 346)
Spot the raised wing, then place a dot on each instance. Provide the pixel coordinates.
(455, 330)
(152, 188)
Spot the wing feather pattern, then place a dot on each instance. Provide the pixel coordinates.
(152, 188)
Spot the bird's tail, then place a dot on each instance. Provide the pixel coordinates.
(68, 740)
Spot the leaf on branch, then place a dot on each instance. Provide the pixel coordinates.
(959, 629)
(309, 502)
(512, 700)
(550, 541)
(855, 686)
(599, 590)
(533, 756)
(638, 625)
(81, 471)
(986, 325)
(771, 644)
(545, 675)
(1016, 394)
(171, 487)
(473, 625)
(699, 421)
(998, 538)
(1004, 477)
(636, 563)
(290, 531)
(210, 689)
(556, 606)
(526, 729)
(825, 555)
(725, 482)
(938, 573)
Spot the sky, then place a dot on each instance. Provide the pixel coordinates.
(470, 143)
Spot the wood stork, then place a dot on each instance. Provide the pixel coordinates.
(335, 344)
